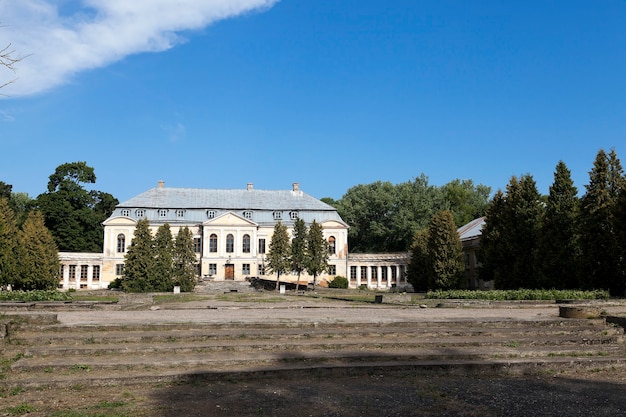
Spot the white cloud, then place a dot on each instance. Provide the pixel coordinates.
(63, 37)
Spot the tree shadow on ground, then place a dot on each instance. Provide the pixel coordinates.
(372, 391)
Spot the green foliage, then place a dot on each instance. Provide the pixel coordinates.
(184, 261)
(299, 253)
(162, 268)
(317, 251)
(338, 282)
(36, 295)
(139, 260)
(445, 253)
(8, 244)
(419, 269)
(278, 256)
(559, 252)
(602, 262)
(385, 217)
(73, 214)
(37, 262)
(522, 294)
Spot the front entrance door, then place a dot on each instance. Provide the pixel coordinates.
(230, 271)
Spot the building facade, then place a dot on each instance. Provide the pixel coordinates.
(232, 230)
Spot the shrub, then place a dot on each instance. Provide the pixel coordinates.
(521, 294)
(338, 282)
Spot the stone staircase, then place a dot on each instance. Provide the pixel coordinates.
(43, 354)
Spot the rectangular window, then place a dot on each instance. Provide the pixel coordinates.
(363, 274)
(277, 215)
(180, 213)
(197, 245)
(293, 215)
(245, 269)
(374, 273)
(162, 213)
(210, 214)
(198, 269)
(72, 272)
(141, 213)
(83, 272)
(353, 273)
(96, 273)
(247, 214)
(261, 269)
(212, 269)
(261, 245)
(126, 212)
(332, 270)
(394, 273)
(383, 273)
(119, 269)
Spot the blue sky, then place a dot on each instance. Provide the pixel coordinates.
(327, 93)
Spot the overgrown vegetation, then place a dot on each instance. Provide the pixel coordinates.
(338, 282)
(38, 295)
(518, 295)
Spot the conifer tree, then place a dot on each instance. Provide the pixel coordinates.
(8, 244)
(493, 252)
(299, 253)
(419, 268)
(162, 276)
(139, 260)
(558, 247)
(445, 252)
(317, 250)
(184, 261)
(278, 255)
(601, 250)
(38, 261)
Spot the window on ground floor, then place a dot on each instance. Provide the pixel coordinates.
(72, 272)
(119, 269)
(332, 270)
(353, 273)
(212, 269)
(245, 269)
(96, 273)
(374, 270)
(363, 273)
(84, 269)
(261, 269)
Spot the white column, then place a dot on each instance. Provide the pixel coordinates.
(369, 276)
(89, 275)
(66, 277)
(378, 277)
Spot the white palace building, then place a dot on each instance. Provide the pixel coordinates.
(232, 230)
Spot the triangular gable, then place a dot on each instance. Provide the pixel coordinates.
(229, 219)
(120, 221)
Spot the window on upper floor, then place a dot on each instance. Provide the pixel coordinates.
(162, 212)
(180, 213)
(331, 245)
(262, 245)
(213, 243)
(245, 244)
(121, 243)
(210, 214)
(126, 212)
(140, 213)
(247, 215)
(230, 243)
(277, 215)
(197, 245)
(293, 215)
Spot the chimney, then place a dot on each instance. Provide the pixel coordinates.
(296, 186)
(161, 184)
(250, 186)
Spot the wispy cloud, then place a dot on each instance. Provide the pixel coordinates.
(175, 133)
(64, 37)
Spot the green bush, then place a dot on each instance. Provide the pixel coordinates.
(338, 282)
(518, 295)
(35, 295)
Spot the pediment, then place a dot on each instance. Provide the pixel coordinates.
(334, 224)
(120, 221)
(229, 219)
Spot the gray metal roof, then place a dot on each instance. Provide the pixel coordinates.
(236, 199)
(472, 229)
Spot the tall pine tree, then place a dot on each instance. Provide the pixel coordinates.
(184, 260)
(493, 253)
(139, 260)
(299, 253)
(317, 250)
(419, 268)
(8, 244)
(601, 250)
(38, 261)
(278, 255)
(445, 253)
(162, 275)
(558, 246)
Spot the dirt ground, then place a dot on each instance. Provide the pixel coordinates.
(381, 393)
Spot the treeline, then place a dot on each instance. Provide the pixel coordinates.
(385, 218)
(71, 213)
(160, 262)
(561, 241)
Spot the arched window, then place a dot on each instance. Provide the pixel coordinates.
(121, 243)
(213, 243)
(331, 244)
(230, 243)
(245, 247)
